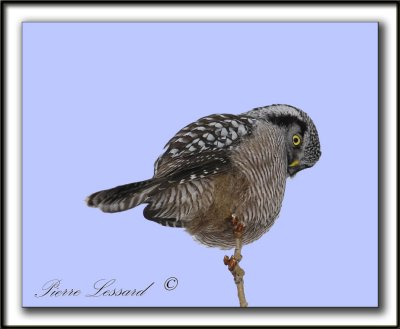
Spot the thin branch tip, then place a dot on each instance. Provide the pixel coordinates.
(233, 261)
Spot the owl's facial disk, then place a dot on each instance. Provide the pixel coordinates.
(303, 151)
(294, 147)
(294, 162)
(302, 142)
(299, 156)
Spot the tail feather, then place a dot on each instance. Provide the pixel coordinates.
(122, 197)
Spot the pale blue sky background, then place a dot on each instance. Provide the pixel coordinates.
(100, 100)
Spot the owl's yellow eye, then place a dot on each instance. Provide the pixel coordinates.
(296, 140)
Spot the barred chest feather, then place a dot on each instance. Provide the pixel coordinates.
(262, 160)
(254, 191)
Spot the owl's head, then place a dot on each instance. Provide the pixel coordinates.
(301, 136)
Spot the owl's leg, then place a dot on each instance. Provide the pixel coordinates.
(233, 261)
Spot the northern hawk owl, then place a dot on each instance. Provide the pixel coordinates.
(219, 165)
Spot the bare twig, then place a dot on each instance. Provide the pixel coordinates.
(233, 261)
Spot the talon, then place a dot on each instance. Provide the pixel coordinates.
(238, 230)
(238, 227)
(234, 220)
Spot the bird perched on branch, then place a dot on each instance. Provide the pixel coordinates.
(221, 165)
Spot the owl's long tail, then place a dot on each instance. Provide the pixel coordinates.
(122, 197)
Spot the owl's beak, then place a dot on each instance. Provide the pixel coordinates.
(295, 163)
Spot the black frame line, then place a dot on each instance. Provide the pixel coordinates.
(92, 311)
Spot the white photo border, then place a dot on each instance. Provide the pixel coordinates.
(14, 13)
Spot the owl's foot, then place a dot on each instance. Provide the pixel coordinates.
(238, 227)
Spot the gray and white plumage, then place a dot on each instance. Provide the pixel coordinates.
(219, 165)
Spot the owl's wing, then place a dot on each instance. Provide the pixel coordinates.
(197, 152)
(202, 148)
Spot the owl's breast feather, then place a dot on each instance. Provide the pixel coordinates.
(261, 158)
